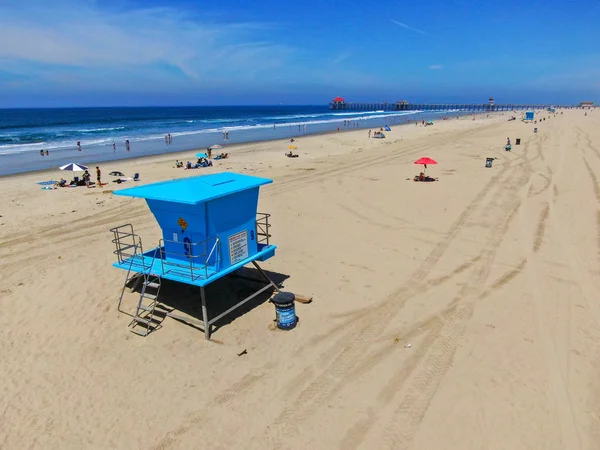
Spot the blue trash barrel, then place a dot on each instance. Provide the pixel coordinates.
(285, 310)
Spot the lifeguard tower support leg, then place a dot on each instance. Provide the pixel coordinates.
(208, 323)
(204, 313)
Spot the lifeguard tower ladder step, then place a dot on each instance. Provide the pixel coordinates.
(145, 320)
(129, 251)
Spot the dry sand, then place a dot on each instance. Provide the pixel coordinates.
(491, 276)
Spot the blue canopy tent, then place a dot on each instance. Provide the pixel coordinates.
(210, 228)
(529, 115)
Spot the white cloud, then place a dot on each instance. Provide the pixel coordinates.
(341, 57)
(81, 35)
(403, 25)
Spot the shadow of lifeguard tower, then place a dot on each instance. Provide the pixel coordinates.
(210, 228)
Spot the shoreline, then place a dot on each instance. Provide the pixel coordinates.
(177, 154)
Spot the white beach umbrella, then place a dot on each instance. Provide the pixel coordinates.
(74, 167)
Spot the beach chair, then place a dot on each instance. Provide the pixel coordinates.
(136, 177)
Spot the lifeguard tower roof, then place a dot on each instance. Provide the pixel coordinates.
(195, 190)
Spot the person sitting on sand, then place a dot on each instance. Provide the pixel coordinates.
(291, 155)
(188, 165)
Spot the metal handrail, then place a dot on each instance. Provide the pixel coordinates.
(192, 258)
(262, 228)
(118, 240)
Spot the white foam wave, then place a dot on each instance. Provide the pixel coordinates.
(92, 130)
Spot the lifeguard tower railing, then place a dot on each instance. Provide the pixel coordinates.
(199, 261)
(127, 243)
(262, 228)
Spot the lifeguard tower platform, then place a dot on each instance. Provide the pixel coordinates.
(210, 228)
(529, 115)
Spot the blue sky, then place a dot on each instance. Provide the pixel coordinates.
(194, 52)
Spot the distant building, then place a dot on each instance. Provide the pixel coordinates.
(586, 105)
(338, 101)
(491, 100)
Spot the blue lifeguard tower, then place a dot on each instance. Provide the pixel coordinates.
(210, 228)
(529, 116)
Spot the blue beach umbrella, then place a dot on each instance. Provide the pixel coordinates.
(74, 167)
(201, 155)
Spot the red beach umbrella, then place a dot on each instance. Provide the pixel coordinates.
(425, 161)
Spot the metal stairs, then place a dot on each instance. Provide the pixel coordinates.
(145, 320)
(129, 251)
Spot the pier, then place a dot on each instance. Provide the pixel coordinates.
(340, 104)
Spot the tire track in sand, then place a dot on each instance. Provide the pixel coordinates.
(362, 334)
(357, 433)
(406, 420)
(224, 399)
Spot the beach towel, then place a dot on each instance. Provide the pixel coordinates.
(47, 183)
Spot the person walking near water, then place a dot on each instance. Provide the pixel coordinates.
(114, 147)
(79, 145)
(127, 145)
(98, 176)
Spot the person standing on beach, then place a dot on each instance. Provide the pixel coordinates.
(114, 147)
(47, 153)
(369, 133)
(86, 178)
(227, 135)
(42, 152)
(127, 145)
(98, 176)
(79, 145)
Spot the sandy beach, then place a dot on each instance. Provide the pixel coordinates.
(458, 314)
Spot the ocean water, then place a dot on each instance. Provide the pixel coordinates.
(24, 132)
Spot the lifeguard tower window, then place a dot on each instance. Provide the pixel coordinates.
(210, 228)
